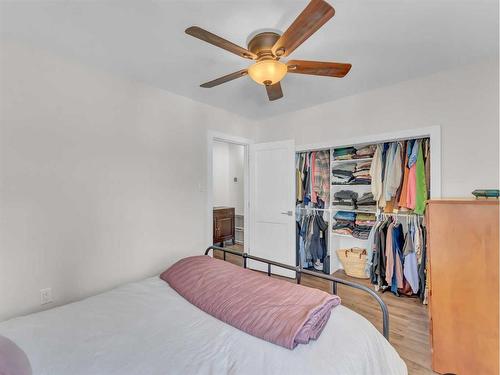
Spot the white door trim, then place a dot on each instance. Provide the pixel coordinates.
(246, 142)
(433, 132)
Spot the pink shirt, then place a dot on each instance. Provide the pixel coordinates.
(411, 194)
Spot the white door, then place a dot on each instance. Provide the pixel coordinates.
(272, 204)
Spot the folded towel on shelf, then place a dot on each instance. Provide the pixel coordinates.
(344, 157)
(341, 205)
(365, 152)
(365, 223)
(343, 224)
(360, 181)
(346, 231)
(367, 208)
(345, 215)
(344, 153)
(345, 167)
(366, 199)
(361, 232)
(345, 194)
(340, 181)
(366, 217)
(342, 173)
(366, 203)
(363, 165)
(363, 174)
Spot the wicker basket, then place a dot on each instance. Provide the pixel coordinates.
(354, 261)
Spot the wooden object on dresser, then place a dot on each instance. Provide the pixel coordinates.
(463, 302)
(223, 225)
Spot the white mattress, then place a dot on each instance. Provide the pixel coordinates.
(147, 328)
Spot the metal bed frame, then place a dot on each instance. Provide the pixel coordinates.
(299, 271)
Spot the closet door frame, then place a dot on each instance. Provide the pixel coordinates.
(434, 135)
(213, 136)
(432, 132)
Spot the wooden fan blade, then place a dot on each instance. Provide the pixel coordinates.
(318, 68)
(224, 79)
(217, 41)
(274, 91)
(307, 23)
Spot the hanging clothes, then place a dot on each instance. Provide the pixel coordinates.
(321, 175)
(389, 159)
(393, 179)
(397, 245)
(376, 173)
(423, 271)
(398, 266)
(299, 187)
(312, 230)
(421, 188)
(314, 196)
(404, 186)
(410, 260)
(402, 156)
(307, 179)
(389, 252)
(411, 195)
(427, 162)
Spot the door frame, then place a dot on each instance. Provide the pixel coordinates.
(213, 136)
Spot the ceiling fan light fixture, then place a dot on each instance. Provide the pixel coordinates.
(267, 72)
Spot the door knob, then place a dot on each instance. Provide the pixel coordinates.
(289, 213)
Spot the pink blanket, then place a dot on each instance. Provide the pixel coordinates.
(275, 310)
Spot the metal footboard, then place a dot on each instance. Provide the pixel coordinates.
(299, 271)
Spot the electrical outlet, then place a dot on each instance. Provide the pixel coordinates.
(45, 296)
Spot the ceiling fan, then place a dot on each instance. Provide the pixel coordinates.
(268, 47)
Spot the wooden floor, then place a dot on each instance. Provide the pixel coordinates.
(409, 324)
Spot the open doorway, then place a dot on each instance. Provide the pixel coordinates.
(229, 174)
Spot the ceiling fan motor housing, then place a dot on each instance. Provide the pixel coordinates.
(262, 43)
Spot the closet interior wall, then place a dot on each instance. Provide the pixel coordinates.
(343, 216)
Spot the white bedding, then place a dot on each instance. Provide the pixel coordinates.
(147, 328)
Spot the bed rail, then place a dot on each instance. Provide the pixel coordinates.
(299, 271)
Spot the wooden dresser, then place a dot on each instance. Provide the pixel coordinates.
(463, 303)
(223, 224)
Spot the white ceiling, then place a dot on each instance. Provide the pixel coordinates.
(385, 41)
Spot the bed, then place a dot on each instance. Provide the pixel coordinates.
(146, 327)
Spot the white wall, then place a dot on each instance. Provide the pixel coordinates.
(464, 102)
(94, 173)
(228, 163)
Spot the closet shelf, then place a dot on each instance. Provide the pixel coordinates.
(350, 160)
(351, 184)
(355, 211)
(347, 236)
(400, 214)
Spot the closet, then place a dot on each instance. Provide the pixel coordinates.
(346, 195)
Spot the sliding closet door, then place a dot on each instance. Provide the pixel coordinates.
(272, 204)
